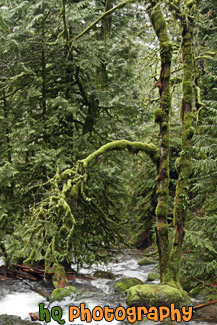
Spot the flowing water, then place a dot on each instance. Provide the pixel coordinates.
(16, 299)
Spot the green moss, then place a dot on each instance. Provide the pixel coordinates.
(202, 155)
(166, 101)
(190, 133)
(178, 164)
(104, 274)
(166, 138)
(134, 147)
(162, 209)
(158, 115)
(164, 125)
(153, 276)
(163, 191)
(146, 261)
(190, 3)
(159, 24)
(156, 295)
(60, 293)
(188, 120)
(74, 190)
(162, 228)
(126, 283)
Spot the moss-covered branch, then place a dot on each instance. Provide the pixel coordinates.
(150, 149)
(65, 31)
(48, 234)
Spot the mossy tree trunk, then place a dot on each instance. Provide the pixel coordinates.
(170, 260)
(184, 162)
(162, 118)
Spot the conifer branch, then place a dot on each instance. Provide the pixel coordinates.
(105, 14)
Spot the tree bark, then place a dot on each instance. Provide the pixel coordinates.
(184, 162)
(162, 118)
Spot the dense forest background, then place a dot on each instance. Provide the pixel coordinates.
(63, 96)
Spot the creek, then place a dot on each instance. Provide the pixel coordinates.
(16, 299)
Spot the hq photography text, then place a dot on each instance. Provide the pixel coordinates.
(131, 314)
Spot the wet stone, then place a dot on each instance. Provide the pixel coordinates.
(13, 320)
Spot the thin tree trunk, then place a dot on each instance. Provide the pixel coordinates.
(101, 75)
(162, 118)
(43, 88)
(7, 131)
(184, 162)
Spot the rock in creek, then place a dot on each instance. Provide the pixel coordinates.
(14, 320)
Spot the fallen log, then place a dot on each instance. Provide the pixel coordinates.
(17, 271)
(37, 290)
(212, 302)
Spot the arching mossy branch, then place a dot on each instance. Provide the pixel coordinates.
(150, 149)
(48, 234)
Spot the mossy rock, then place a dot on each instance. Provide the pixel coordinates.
(104, 275)
(60, 293)
(146, 261)
(156, 295)
(13, 320)
(153, 276)
(126, 283)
